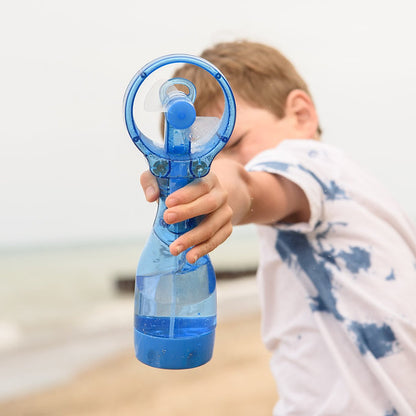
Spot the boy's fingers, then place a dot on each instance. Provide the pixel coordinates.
(205, 204)
(212, 231)
(192, 191)
(149, 185)
(205, 248)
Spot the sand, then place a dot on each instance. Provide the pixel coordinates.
(237, 381)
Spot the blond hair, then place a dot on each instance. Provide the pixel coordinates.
(257, 73)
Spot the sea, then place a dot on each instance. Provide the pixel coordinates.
(62, 310)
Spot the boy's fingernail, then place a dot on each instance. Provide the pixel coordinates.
(179, 249)
(170, 202)
(170, 217)
(149, 192)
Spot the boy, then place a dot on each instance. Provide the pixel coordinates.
(337, 270)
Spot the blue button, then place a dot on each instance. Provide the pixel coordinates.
(180, 114)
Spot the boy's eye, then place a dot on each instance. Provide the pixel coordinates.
(236, 142)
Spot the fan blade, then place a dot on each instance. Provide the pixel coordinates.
(152, 100)
(203, 130)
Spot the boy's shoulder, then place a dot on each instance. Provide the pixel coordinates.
(315, 146)
(301, 151)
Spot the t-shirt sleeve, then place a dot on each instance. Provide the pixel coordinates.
(293, 166)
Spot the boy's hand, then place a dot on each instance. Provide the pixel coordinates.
(204, 196)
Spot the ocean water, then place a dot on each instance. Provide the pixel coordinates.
(43, 289)
(60, 309)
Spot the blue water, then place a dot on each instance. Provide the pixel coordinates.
(175, 308)
(189, 345)
(182, 328)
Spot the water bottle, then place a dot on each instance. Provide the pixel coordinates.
(175, 301)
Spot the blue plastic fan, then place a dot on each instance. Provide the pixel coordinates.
(175, 301)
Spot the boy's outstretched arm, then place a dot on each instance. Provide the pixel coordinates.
(227, 196)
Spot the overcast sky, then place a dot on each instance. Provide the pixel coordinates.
(68, 169)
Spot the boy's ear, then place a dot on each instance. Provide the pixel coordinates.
(301, 109)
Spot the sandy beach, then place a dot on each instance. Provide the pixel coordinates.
(237, 381)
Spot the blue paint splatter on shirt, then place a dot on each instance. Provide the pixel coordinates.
(280, 166)
(379, 339)
(356, 259)
(391, 276)
(318, 263)
(392, 412)
(330, 225)
(331, 191)
(329, 256)
(322, 235)
(291, 243)
(295, 249)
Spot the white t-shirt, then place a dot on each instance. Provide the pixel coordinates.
(338, 293)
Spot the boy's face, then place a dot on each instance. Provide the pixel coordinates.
(256, 129)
